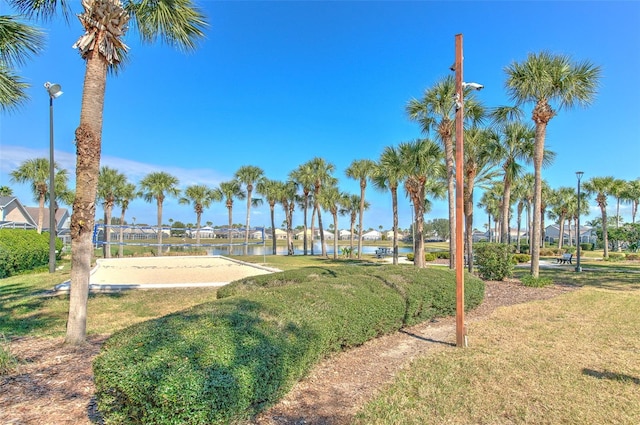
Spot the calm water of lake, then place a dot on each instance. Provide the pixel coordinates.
(297, 250)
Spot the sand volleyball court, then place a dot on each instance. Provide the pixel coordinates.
(168, 272)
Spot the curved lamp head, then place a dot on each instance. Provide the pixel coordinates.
(579, 174)
(474, 86)
(54, 89)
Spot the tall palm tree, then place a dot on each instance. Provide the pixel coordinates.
(491, 203)
(350, 206)
(110, 181)
(18, 43)
(481, 154)
(516, 149)
(178, 23)
(228, 191)
(271, 191)
(390, 174)
(248, 175)
(304, 177)
(124, 195)
(6, 191)
(601, 188)
(436, 110)
(36, 173)
(618, 189)
(420, 159)
(201, 197)
(158, 186)
(322, 178)
(632, 195)
(331, 199)
(362, 170)
(542, 79)
(561, 201)
(288, 199)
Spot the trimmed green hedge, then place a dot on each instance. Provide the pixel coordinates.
(226, 360)
(22, 250)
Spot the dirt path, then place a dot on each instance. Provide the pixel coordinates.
(55, 384)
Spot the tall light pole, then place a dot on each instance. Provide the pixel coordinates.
(54, 91)
(579, 175)
(461, 337)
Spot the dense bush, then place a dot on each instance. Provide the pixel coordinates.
(494, 260)
(615, 256)
(224, 361)
(442, 255)
(521, 258)
(551, 252)
(23, 250)
(524, 249)
(587, 246)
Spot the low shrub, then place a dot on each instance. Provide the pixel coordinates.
(615, 256)
(524, 249)
(551, 252)
(410, 256)
(22, 250)
(429, 256)
(521, 258)
(442, 255)
(587, 246)
(494, 260)
(535, 282)
(224, 361)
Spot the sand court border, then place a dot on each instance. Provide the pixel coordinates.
(113, 274)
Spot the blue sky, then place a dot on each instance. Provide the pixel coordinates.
(275, 84)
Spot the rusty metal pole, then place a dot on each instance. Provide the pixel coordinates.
(461, 340)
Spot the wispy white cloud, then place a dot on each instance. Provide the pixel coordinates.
(12, 156)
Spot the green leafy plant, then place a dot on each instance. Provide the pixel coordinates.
(8, 362)
(535, 282)
(494, 261)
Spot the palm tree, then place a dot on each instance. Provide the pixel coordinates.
(248, 175)
(350, 206)
(6, 191)
(109, 182)
(18, 43)
(331, 199)
(228, 191)
(490, 202)
(288, 198)
(618, 190)
(481, 154)
(516, 148)
(322, 177)
(389, 174)
(304, 177)
(632, 195)
(124, 195)
(158, 186)
(437, 111)
(271, 191)
(361, 170)
(561, 202)
(420, 159)
(541, 79)
(601, 188)
(36, 173)
(178, 23)
(200, 196)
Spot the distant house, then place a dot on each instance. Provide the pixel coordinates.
(552, 234)
(372, 235)
(14, 215)
(344, 235)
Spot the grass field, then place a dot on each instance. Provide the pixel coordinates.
(574, 359)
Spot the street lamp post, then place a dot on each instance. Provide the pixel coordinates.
(579, 175)
(461, 337)
(54, 91)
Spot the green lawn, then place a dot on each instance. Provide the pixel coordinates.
(574, 359)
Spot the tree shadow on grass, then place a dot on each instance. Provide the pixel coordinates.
(605, 374)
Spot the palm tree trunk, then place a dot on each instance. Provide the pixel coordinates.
(519, 227)
(353, 223)
(198, 218)
(452, 214)
(230, 210)
(323, 248)
(159, 251)
(107, 231)
(41, 213)
(313, 217)
(561, 229)
(541, 128)
(605, 235)
(335, 235)
(88, 138)
(468, 215)
(418, 255)
(306, 211)
(289, 215)
(121, 246)
(506, 207)
(245, 250)
(361, 214)
(394, 201)
(272, 207)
